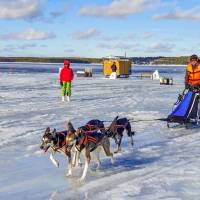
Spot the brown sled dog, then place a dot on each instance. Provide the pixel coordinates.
(87, 142)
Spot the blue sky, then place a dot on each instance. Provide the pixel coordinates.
(89, 28)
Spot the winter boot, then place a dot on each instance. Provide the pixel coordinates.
(68, 98)
(63, 98)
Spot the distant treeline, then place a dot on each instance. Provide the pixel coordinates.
(136, 60)
(144, 60)
(49, 60)
(182, 60)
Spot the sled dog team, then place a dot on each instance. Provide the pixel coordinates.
(91, 137)
(94, 135)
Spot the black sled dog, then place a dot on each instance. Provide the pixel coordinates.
(116, 129)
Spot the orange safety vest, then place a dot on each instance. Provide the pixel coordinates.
(193, 74)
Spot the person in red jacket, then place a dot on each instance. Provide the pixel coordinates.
(66, 76)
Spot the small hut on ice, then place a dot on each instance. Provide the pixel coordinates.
(123, 66)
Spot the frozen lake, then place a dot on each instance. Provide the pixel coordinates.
(164, 163)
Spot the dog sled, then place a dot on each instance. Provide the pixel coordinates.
(185, 111)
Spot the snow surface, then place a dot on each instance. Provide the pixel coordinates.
(163, 164)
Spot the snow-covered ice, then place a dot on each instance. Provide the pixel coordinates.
(163, 164)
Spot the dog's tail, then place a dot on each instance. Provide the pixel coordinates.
(128, 128)
(130, 133)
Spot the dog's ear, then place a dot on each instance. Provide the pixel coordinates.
(70, 127)
(113, 124)
(54, 133)
(47, 130)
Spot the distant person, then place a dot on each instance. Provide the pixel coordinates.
(113, 75)
(192, 75)
(66, 76)
(114, 67)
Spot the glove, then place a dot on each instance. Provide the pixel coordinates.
(187, 86)
(196, 88)
(61, 83)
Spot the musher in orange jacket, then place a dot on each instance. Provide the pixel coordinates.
(192, 76)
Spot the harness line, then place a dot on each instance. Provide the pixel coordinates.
(142, 120)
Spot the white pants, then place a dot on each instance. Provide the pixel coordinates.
(113, 75)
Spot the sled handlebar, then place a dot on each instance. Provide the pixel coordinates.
(194, 88)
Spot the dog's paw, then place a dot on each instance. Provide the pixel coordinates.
(56, 164)
(73, 165)
(80, 164)
(112, 161)
(117, 150)
(81, 180)
(77, 165)
(68, 174)
(92, 173)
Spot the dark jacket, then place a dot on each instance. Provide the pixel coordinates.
(114, 68)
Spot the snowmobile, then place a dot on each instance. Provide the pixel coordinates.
(185, 111)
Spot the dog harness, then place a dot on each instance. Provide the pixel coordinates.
(119, 126)
(87, 138)
(90, 127)
(61, 143)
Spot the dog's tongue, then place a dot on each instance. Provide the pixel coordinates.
(43, 152)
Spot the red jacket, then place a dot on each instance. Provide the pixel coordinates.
(66, 74)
